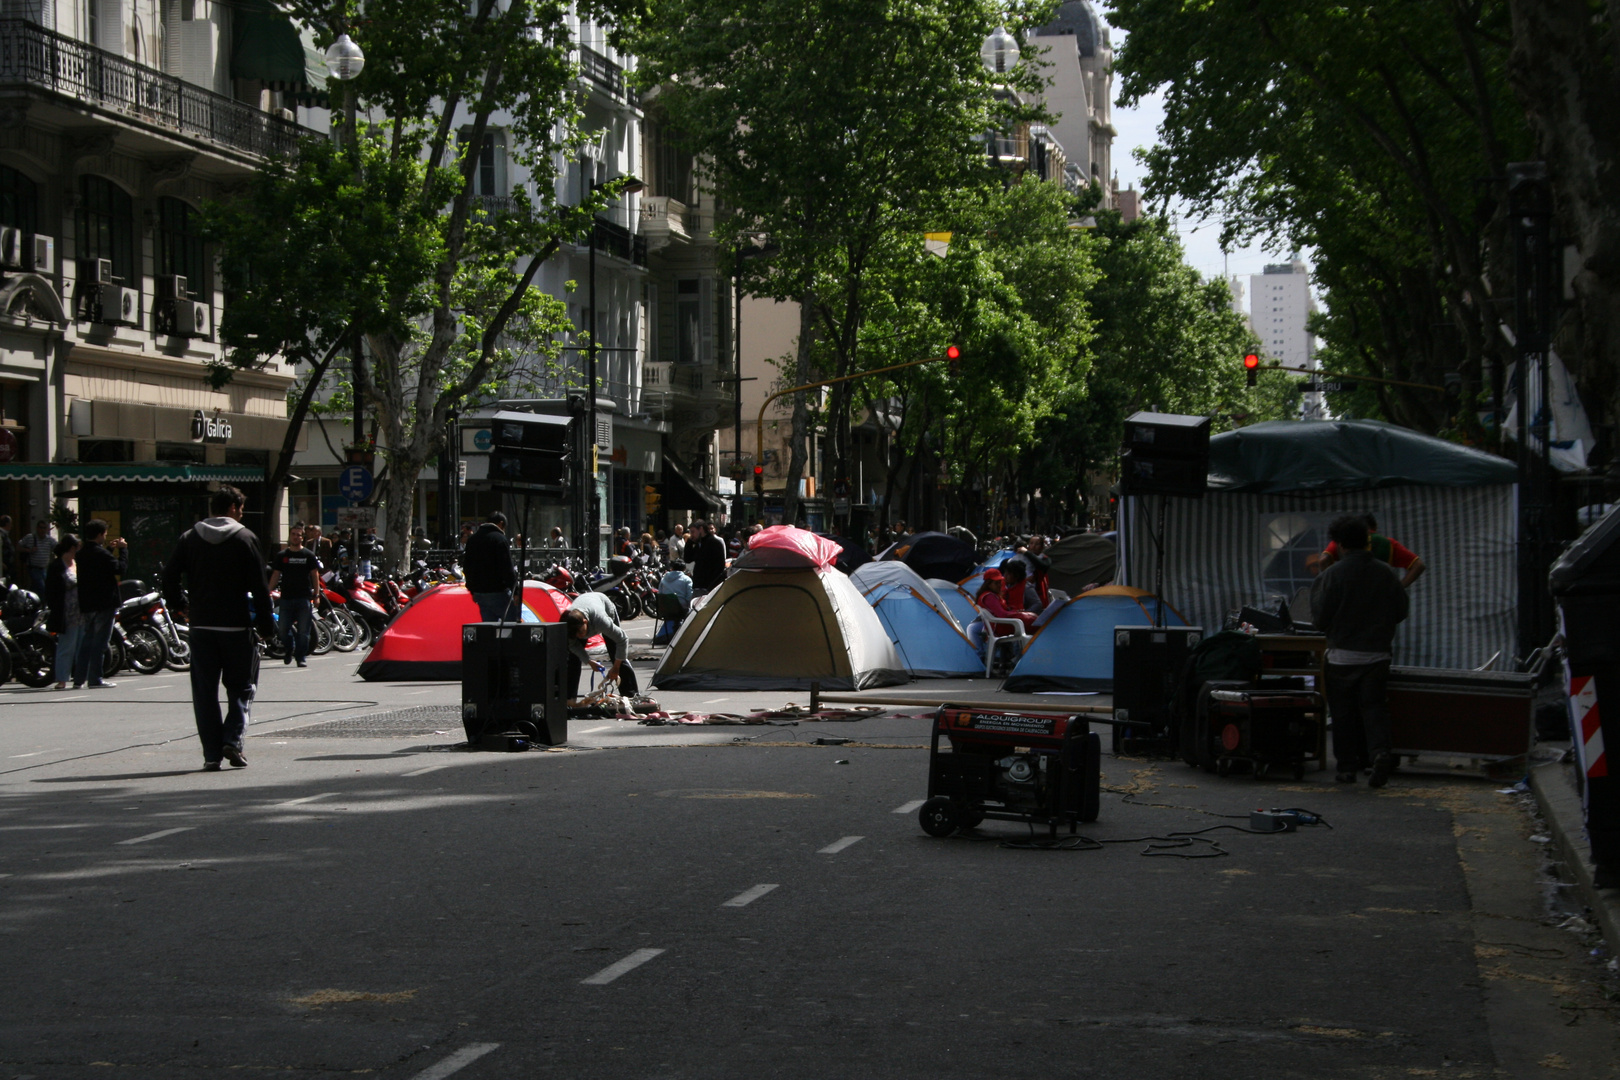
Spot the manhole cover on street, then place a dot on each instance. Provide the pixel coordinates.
(394, 723)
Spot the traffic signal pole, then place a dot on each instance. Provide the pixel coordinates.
(759, 424)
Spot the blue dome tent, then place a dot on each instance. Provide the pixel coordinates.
(926, 638)
(1075, 649)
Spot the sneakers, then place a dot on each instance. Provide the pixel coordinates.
(210, 766)
(102, 685)
(234, 756)
(303, 663)
(1381, 770)
(286, 658)
(61, 686)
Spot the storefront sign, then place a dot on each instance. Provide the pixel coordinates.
(209, 429)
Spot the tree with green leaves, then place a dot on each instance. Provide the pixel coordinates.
(383, 239)
(1165, 340)
(1376, 133)
(842, 130)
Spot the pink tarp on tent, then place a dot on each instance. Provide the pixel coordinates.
(783, 547)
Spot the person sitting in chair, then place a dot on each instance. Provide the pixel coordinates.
(674, 601)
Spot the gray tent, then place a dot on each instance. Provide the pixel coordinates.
(1081, 559)
(1273, 489)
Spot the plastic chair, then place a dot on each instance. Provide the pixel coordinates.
(671, 611)
(999, 632)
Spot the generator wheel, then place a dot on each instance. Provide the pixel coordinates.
(937, 816)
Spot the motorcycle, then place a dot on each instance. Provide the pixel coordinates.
(371, 616)
(145, 649)
(30, 649)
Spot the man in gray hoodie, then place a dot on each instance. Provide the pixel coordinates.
(226, 599)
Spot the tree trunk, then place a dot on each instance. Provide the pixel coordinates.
(1565, 73)
(798, 437)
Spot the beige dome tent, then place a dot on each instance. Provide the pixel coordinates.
(781, 629)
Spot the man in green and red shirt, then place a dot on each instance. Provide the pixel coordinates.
(1384, 550)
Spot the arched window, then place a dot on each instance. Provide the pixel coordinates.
(19, 200)
(180, 247)
(106, 226)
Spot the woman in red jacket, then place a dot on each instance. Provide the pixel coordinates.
(990, 600)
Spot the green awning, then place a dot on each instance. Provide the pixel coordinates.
(135, 472)
(267, 47)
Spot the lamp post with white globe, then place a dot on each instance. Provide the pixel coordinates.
(999, 51)
(344, 59)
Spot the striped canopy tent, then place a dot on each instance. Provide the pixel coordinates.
(1275, 487)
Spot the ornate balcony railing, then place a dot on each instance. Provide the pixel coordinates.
(34, 57)
(602, 71)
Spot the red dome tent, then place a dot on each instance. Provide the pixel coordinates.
(424, 640)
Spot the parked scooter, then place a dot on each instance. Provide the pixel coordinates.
(30, 650)
(145, 648)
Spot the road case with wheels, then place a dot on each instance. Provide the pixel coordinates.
(1010, 766)
(512, 684)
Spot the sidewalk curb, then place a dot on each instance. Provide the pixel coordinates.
(1561, 806)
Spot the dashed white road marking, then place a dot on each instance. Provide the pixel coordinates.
(305, 799)
(748, 896)
(36, 753)
(910, 807)
(629, 963)
(455, 1062)
(714, 701)
(413, 693)
(593, 730)
(422, 772)
(160, 834)
(839, 845)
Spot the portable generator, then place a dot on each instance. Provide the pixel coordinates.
(1010, 766)
(1239, 724)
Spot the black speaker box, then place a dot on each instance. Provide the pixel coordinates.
(1162, 435)
(1144, 475)
(1148, 662)
(512, 678)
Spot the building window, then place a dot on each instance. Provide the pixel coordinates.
(106, 226)
(688, 322)
(19, 200)
(486, 177)
(180, 247)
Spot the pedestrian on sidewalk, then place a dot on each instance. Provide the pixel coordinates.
(487, 569)
(298, 572)
(706, 557)
(34, 551)
(1358, 602)
(62, 606)
(99, 570)
(225, 597)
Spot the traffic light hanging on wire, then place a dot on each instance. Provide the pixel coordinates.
(1251, 368)
(759, 479)
(953, 357)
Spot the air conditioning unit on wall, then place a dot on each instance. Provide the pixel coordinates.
(192, 319)
(11, 247)
(120, 306)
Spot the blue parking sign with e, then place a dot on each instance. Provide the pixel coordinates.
(355, 483)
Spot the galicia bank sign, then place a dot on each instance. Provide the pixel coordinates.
(209, 429)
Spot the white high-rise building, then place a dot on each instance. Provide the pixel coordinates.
(1280, 305)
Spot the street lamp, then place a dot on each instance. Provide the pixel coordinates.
(593, 525)
(345, 61)
(999, 51)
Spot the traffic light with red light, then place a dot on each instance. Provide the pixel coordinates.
(759, 479)
(952, 356)
(1251, 367)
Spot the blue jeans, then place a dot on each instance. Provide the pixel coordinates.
(496, 606)
(295, 627)
(67, 651)
(96, 628)
(36, 574)
(231, 656)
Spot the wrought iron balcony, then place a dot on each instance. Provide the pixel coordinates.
(614, 239)
(35, 58)
(602, 71)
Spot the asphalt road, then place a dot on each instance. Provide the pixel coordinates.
(734, 902)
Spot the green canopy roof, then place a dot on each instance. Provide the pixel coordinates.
(1308, 456)
(138, 471)
(267, 47)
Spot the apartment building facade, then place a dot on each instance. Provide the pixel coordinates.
(117, 121)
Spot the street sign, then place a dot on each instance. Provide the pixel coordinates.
(356, 517)
(355, 483)
(1327, 386)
